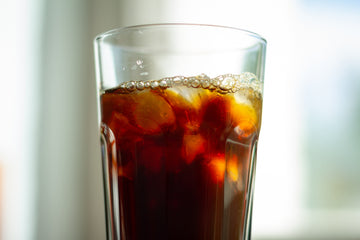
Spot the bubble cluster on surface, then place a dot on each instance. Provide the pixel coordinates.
(227, 83)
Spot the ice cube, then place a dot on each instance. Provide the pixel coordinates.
(232, 168)
(217, 167)
(124, 131)
(152, 113)
(192, 146)
(244, 116)
(187, 104)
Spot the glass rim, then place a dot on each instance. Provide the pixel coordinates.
(115, 31)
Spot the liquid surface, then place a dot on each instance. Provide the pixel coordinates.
(177, 153)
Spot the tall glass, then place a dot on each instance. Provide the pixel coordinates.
(179, 115)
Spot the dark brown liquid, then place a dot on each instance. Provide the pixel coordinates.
(177, 161)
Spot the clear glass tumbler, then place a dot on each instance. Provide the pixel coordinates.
(179, 115)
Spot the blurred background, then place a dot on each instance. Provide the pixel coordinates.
(308, 172)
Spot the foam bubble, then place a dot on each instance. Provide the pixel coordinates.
(140, 85)
(227, 83)
(154, 84)
(130, 86)
(163, 83)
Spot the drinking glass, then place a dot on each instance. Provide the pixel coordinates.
(179, 116)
